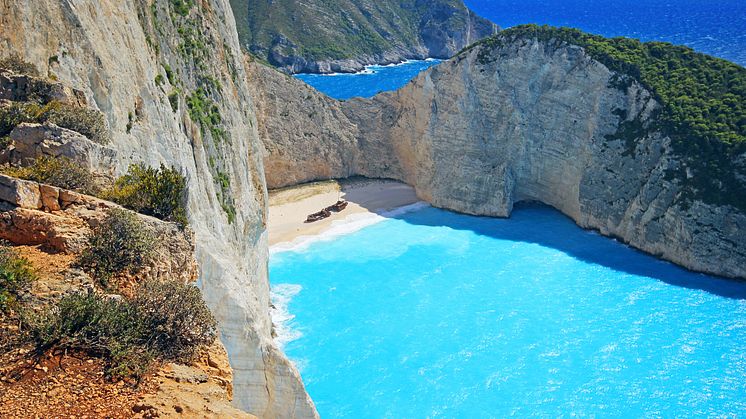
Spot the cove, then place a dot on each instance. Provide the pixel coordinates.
(436, 314)
(369, 82)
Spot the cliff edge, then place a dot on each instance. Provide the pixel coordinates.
(168, 77)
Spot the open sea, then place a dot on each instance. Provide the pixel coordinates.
(434, 314)
(428, 313)
(715, 27)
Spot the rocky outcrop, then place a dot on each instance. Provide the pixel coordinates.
(170, 81)
(32, 141)
(25, 87)
(307, 135)
(537, 123)
(201, 390)
(61, 221)
(345, 36)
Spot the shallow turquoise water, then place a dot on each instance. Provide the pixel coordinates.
(435, 314)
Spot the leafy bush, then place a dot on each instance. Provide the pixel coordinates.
(121, 243)
(16, 113)
(86, 121)
(173, 99)
(166, 321)
(57, 171)
(99, 326)
(5, 142)
(178, 318)
(158, 192)
(17, 65)
(16, 276)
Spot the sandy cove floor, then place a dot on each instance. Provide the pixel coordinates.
(289, 207)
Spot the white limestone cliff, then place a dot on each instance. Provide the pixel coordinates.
(114, 51)
(530, 125)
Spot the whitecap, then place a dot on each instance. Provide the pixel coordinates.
(281, 295)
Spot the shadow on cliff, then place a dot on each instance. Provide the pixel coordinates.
(543, 225)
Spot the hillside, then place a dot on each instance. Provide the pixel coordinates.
(344, 35)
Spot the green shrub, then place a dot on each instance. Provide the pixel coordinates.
(182, 7)
(178, 318)
(17, 65)
(16, 113)
(121, 243)
(99, 326)
(86, 121)
(57, 171)
(16, 276)
(166, 321)
(158, 192)
(173, 99)
(159, 80)
(5, 142)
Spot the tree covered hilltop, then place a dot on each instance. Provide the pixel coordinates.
(703, 102)
(344, 35)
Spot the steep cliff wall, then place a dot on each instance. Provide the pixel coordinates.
(345, 35)
(307, 136)
(169, 78)
(535, 120)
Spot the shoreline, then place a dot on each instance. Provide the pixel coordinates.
(368, 68)
(350, 66)
(370, 200)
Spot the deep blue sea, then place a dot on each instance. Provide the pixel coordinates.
(716, 27)
(435, 314)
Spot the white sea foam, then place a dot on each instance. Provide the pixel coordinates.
(348, 225)
(281, 295)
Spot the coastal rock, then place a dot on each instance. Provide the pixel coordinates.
(531, 125)
(142, 64)
(24, 88)
(31, 141)
(62, 221)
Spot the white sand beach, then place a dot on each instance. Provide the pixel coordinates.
(289, 207)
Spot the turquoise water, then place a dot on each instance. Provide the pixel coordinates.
(373, 80)
(435, 314)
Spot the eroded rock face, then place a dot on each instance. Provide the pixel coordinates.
(62, 220)
(113, 52)
(477, 137)
(307, 136)
(31, 141)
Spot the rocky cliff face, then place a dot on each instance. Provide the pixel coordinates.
(170, 80)
(537, 123)
(344, 36)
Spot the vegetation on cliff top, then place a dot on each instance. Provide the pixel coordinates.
(163, 321)
(121, 243)
(16, 276)
(56, 171)
(703, 102)
(321, 30)
(160, 192)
